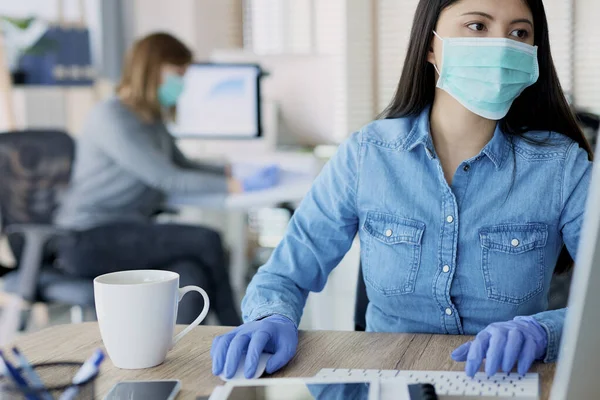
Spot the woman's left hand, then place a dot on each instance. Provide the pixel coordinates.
(502, 344)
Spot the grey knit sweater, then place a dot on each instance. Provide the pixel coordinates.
(124, 167)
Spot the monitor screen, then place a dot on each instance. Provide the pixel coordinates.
(219, 101)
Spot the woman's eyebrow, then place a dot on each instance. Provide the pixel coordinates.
(480, 13)
(491, 18)
(522, 20)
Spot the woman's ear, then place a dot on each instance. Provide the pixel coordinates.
(431, 53)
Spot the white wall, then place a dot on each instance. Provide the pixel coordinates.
(174, 16)
(204, 25)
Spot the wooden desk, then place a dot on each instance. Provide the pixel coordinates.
(190, 360)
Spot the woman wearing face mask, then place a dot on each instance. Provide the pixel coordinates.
(463, 196)
(126, 162)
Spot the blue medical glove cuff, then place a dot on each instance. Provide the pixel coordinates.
(265, 310)
(553, 323)
(280, 319)
(539, 333)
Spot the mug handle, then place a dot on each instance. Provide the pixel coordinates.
(182, 292)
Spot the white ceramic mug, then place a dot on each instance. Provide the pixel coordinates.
(137, 311)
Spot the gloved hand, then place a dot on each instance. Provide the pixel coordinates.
(276, 334)
(263, 179)
(503, 343)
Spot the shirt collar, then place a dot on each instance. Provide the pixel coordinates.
(496, 148)
(420, 134)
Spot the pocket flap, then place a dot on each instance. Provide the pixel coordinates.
(391, 229)
(513, 238)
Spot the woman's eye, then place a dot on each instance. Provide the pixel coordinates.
(477, 27)
(520, 33)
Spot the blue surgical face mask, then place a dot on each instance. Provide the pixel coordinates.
(486, 75)
(170, 90)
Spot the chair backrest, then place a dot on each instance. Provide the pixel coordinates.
(361, 304)
(35, 168)
(590, 123)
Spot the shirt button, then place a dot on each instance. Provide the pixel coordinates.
(448, 311)
(450, 219)
(466, 168)
(515, 242)
(389, 233)
(446, 269)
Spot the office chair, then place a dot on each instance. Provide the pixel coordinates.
(35, 168)
(362, 302)
(590, 123)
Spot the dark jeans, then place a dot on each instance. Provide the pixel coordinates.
(195, 253)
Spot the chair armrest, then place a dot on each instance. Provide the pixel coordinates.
(35, 239)
(165, 211)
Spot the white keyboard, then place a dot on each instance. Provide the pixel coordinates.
(455, 384)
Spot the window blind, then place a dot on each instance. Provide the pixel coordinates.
(393, 20)
(560, 25)
(278, 26)
(587, 54)
(344, 30)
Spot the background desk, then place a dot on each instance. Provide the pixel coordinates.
(292, 187)
(298, 174)
(190, 360)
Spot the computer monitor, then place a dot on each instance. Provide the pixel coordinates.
(219, 101)
(578, 371)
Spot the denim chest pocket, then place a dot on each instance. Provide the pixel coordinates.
(392, 253)
(512, 261)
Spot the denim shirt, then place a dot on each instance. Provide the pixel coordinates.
(436, 258)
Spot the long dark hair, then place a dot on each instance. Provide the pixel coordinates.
(541, 107)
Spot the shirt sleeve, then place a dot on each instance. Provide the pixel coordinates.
(126, 141)
(182, 161)
(318, 236)
(574, 190)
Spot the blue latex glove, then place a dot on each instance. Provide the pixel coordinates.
(263, 179)
(276, 334)
(502, 344)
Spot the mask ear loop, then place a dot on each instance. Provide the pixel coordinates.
(435, 66)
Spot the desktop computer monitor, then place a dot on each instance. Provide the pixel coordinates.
(219, 101)
(578, 369)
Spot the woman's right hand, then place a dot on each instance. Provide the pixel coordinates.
(264, 178)
(234, 186)
(276, 335)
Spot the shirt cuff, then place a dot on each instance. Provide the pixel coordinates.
(267, 309)
(552, 322)
(213, 169)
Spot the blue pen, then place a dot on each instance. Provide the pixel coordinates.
(17, 378)
(87, 370)
(32, 376)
